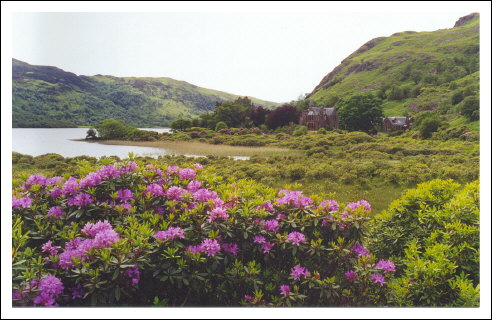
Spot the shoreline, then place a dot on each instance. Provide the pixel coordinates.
(202, 149)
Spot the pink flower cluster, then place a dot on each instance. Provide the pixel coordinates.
(134, 274)
(55, 212)
(329, 205)
(81, 200)
(216, 214)
(24, 202)
(230, 247)
(360, 250)
(296, 238)
(271, 225)
(387, 266)
(102, 236)
(50, 287)
(293, 198)
(297, 272)
(187, 174)
(171, 233)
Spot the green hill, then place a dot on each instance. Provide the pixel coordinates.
(44, 96)
(412, 72)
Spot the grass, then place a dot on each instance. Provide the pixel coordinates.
(199, 148)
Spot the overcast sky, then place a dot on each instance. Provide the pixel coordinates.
(272, 56)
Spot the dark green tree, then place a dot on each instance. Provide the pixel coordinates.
(282, 116)
(361, 112)
(91, 134)
(181, 124)
(114, 129)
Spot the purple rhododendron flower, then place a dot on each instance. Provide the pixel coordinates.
(175, 193)
(297, 272)
(361, 203)
(89, 181)
(50, 288)
(172, 170)
(49, 248)
(271, 225)
(194, 249)
(35, 179)
(70, 187)
(124, 195)
(171, 233)
(194, 185)
(360, 250)
(210, 246)
(203, 195)
(296, 238)
(350, 275)
(55, 212)
(134, 274)
(24, 202)
(217, 213)
(230, 247)
(330, 205)
(54, 180)
(93, 229)
(387, 266)
(154, 190)
(187, 174)
(267, 246)
(266, 206)
(197, 166)
(109, 172)
(105, 239)
(81, 200)
(280, 216)
(56, 193)
(378, 279)
(284, 290)
(259, 239)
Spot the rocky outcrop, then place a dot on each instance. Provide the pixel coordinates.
(463, 20)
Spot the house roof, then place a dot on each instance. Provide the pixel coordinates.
(315, 111)
(400, 121)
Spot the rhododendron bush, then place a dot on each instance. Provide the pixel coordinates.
(141, 234)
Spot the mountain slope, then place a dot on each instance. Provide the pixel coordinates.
(44, 96)
(411, 71)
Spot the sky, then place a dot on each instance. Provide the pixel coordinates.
(275, 56)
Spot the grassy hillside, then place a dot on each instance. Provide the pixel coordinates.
(412, 71)
(44, 96)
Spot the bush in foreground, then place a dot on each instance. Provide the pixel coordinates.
(135, 235)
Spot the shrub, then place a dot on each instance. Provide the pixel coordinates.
(300, 131)
(138, 235)
(432, 233)
(220, 126)
(470, 108)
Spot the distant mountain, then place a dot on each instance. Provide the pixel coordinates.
(411, 71)
(45, 96)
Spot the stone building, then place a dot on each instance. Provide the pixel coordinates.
(315, 118)
(396, 123)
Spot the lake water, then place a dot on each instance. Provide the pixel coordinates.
(38, 141)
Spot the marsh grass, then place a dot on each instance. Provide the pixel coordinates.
(205, 149)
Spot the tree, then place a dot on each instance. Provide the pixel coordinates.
(91, 134)
(234, 113)
(113, 129)
(282, 116)
(258, 115)
(361, 112)
(181, 124)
